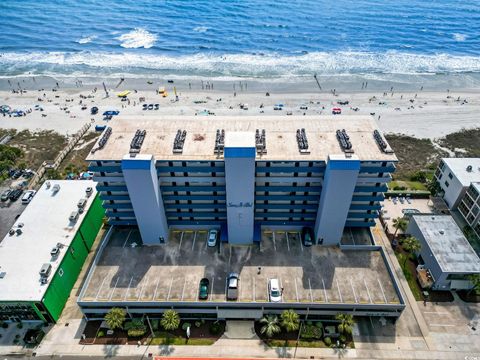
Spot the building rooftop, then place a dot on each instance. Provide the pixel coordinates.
(458, 167)
(125, 271)
(447, 243)
(281, 136)
(45, 223)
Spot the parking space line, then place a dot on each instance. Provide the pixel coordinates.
(310, 288)
(273, 238)
(128, 237)
(254, 291)
(143, 287)
(351, 234)
(324, 291)
(194, 238)
(296, 290)
(301, 242)
(181, 239)
(353, 289)
(128, 289)
(100, 288)
(288, 243)
(436, 312)
(170, 288)
(113, 290)
(368, 292)
(441, 325)
(183, 290)
(383, 292)
(339, 293)
(156, 289)
(211, 289)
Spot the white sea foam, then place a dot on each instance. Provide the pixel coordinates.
(459, 37)
(137, 38)
(265, 66)
(201, 29)
(86, 39)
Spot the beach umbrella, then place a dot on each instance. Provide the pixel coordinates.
(123, 93)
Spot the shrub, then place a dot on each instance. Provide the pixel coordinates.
(5, 325)
(170, 320)
(342, 338)
(198, 324)
(327, 341)
(215, 328)
(311, 332)
(17, 336)
(155, 324)
(136, 332)
(319, 324)
(19, 325)
(309, 323)
(186, 325)
(100, 333)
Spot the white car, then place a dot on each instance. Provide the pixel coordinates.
(212, 238)
(28, 196)
(274, 292)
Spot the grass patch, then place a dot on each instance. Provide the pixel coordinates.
(466, 140)
(38, 146)
(75, 160)
(163, 338)
(408, 185)
(411, 278)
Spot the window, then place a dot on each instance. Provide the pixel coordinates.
(60, 272)
(450, 176)
(446, 183)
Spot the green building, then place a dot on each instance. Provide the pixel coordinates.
(43, 254)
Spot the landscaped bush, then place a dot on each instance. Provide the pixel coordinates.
(198, 324)
(5, 325)
(342, 338)
(136, 332)
(19, 326)
(215, 328)
(186, 325)
(135, 328)
(155, 324)
(311, 332)
(101, 333)
(327, 341)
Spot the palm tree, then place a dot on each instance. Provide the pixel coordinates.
(412, 245)
(346, 323)
(115, 318)
(290, 320)
(170, 320)
(475, 280)
(270, 325)
(399, 223)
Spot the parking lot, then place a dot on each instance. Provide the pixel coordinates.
(9, 211)
(127, 271)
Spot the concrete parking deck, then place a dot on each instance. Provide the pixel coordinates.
(127, 271)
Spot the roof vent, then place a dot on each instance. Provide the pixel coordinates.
(219, 142)
(469, 168)
(56, 188)
(2, 274)
(442, 232)
(47, 184)
(179, 141)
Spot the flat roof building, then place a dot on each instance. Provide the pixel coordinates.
(445, 251)
(454, 175)
(241, 174)
(41, 257)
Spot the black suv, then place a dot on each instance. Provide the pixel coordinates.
(15, 194)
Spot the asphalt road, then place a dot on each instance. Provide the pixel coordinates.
(8, 212)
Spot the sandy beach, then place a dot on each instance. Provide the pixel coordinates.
(416, 112)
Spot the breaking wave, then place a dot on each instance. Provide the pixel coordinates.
(243, 65)
(137, 38)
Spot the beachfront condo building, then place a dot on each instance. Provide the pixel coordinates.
(242, 174)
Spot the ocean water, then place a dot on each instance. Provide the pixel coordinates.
(249, 38)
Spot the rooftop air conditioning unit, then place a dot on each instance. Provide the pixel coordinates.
(47, 184)
(56, 188)
(55, 251)
(469, 168)
(45, 270)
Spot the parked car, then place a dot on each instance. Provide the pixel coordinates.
(232, 286)
(17, 174)
(28, 196)
(6, 194)
(274, 292)
(15, 194)
(212, 238)
(204, 287)
(307, 236)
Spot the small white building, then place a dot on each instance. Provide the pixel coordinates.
(445, 251)
(455, 175)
